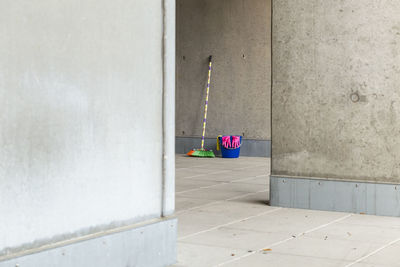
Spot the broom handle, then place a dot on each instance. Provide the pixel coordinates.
(206, 104)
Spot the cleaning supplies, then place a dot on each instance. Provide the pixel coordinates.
(235, 142)
(203, 153)
(229, 146)
(226, 141)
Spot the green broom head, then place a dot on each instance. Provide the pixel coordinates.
(200, 153)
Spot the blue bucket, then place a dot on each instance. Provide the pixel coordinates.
(229, 152)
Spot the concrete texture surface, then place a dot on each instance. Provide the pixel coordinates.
(224, 220)
(237, 34)
(81, 86)
(336, 69)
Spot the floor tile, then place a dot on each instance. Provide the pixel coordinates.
(243, 187)
(354, 232)
(236, 238)
(237, 210)
(255, 198)
(192, 222)
(223, 215)
(215, 215)
(189, 184)
(284, 260)
(182, 203)
(389, 256)
(224, 176)
(330, 248)
(370, 220)
(291, 221)
(360, 264)
(263, 180)
(191, 255)
(193, 172)
(212, 193)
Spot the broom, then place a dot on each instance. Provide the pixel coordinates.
(203, 153)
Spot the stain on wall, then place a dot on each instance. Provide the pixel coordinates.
(336, 97)
(237, 33)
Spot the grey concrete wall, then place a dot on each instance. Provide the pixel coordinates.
(81, 133)
(336, 98)
(237, 34)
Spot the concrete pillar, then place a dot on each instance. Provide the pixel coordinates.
(87, 133)
(336, 105)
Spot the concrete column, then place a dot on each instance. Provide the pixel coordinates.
(87, 133)
(336, 105)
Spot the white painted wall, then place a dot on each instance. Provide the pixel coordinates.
(80, 116)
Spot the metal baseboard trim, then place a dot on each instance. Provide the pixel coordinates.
(335, 195)
(250, 147)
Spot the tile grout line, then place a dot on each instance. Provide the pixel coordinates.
(196, 166)
(248, 178)
(249, 167)
(284, 241)
(219, 201)
(227, 224)
(203, 174)
(218, 172)
(222, 183)
(245, 195)
(373, 252)
(199, 188)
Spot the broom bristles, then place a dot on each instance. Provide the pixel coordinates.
(201, 153)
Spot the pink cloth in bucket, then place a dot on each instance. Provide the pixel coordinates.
(235, 141)
(226, 141)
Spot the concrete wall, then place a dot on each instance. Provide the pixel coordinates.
(237, 34)
(81, 86)
(336, 79)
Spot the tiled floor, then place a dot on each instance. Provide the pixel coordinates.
(224, 220)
